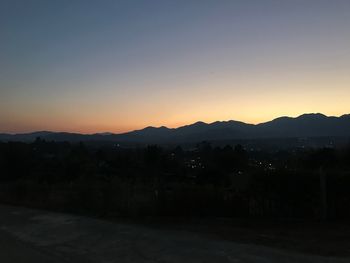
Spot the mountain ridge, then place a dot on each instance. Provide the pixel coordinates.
(305, 125)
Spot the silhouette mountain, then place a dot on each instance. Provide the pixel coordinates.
(306, 125)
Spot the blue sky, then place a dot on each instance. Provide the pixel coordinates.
(91, 66)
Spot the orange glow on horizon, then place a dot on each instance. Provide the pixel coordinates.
(91, 129)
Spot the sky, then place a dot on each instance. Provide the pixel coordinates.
(108, 65)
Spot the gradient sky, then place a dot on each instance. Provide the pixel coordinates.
(93, 66)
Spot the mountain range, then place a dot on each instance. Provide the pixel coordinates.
(306, 125)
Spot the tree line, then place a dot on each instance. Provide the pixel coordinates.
(228, 181)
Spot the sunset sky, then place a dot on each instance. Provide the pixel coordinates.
(95, 66)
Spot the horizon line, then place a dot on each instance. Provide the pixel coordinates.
(170, 128)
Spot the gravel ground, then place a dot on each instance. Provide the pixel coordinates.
(28, 235)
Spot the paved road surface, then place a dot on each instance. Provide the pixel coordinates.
(28, 235)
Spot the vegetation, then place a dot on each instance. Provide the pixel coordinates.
(204, 181)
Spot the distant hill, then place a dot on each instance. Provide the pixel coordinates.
(306, 125)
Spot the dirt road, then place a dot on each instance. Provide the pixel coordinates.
(28, 235)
